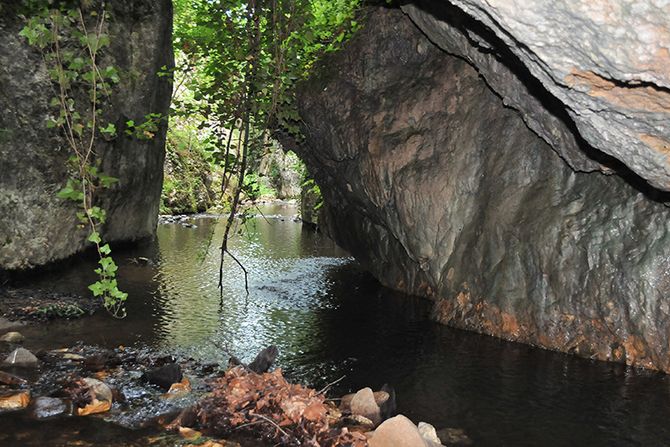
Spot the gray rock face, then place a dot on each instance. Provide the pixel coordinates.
(442, 191)
(607, 63)
(35, 226)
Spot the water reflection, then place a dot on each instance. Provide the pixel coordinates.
(330, 318)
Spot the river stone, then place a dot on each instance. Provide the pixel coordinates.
(428, 432)
(10, 379)
(164, 376)
(48, 407)
(381, 398)
(12, 337)
(454, 437)
(441, 190)
(397, 431)
(21, 357)
(100, 390)
(36, 227)
(363, 404)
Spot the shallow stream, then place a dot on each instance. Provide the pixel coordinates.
(330, 318)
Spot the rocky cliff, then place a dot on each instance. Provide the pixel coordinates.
(473, 172)
(35, 226)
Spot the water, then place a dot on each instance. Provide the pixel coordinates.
(330, 318)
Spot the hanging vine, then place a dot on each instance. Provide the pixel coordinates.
(71, 42)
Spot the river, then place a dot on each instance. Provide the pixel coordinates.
(329, 319)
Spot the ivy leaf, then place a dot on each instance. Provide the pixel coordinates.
(109, 130)
(94, 237)
(97, 288)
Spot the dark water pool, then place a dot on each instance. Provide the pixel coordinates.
(330, 318)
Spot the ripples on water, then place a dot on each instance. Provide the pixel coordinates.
(330, 318)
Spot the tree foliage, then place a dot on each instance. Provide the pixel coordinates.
(239, 65)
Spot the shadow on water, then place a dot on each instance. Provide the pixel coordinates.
(330, 318)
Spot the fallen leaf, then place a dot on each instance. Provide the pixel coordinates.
(189, 433)
(94, 407)
(15, 401)
(179, 389)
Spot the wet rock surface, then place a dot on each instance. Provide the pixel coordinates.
(442, 191)
(33, 159)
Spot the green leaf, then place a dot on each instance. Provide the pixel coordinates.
(95, 238)
(97, 288)
(105, 250)
(110, 129)
(106, 181)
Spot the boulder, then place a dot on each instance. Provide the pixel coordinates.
(363, 404)
(397, 431)
(21, 357)
(34, 159)
(441, 189)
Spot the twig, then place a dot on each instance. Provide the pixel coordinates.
(247, 424)
(246, 273)
(230, 354)
(274, 423)
(327, 387)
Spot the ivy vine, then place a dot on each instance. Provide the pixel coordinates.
(71, 42)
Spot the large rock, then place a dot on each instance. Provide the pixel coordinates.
(605, 65)
(33, 159)
(443, 191)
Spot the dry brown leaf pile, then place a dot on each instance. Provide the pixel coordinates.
(271, 408)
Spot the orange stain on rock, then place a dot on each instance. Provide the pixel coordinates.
(636, 97)
(658, 144)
